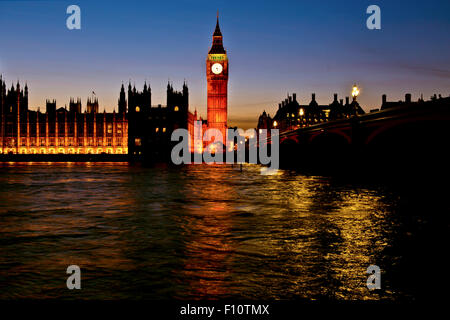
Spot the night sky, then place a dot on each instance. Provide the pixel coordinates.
(274, 48)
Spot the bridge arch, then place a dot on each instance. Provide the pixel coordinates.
(330, 139)
(290, 152)
(409, 144)
(410, 131)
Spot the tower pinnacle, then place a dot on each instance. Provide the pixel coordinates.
(217, 45)
(217, 32)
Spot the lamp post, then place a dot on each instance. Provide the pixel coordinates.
(301, 113)
(355, 92)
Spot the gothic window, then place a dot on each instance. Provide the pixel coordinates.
(137, 142)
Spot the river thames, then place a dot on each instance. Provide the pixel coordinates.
(213, 232)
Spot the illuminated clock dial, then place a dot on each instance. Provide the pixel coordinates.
(216, 68)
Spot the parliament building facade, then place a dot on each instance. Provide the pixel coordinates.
(138, 128)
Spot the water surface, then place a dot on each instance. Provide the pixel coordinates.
(206, 232)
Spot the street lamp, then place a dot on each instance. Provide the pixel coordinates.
(355, 91)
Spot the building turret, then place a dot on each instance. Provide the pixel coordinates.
(217, 46)
(75, 107)
(2, 87)
(92, 105)
(50, 106)
(122, 101)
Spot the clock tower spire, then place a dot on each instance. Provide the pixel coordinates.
(217, 83)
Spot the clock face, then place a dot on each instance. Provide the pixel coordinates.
(216, 68)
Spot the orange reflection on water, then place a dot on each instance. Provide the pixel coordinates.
(208, 244)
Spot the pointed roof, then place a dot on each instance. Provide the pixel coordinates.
(217, 32)
(217, 45)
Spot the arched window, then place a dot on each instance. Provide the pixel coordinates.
(138, 109)
(176, 108)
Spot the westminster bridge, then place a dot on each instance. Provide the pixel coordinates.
(405, 136)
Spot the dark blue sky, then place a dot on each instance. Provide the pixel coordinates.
(273, 47)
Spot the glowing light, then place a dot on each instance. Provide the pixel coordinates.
(217, 57)
(301, 112)
(138, 109)
(199, 148)
(355, 91)
(275, 123)
(176, 108)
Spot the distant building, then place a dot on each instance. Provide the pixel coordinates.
(217, 65)
(150, 127)
(138, 129)
(141, 128)
(291, 115)
(58, 130)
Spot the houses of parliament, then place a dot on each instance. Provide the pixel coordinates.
(137, 128)
(134, 128)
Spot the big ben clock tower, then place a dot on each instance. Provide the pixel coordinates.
(217, 79)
